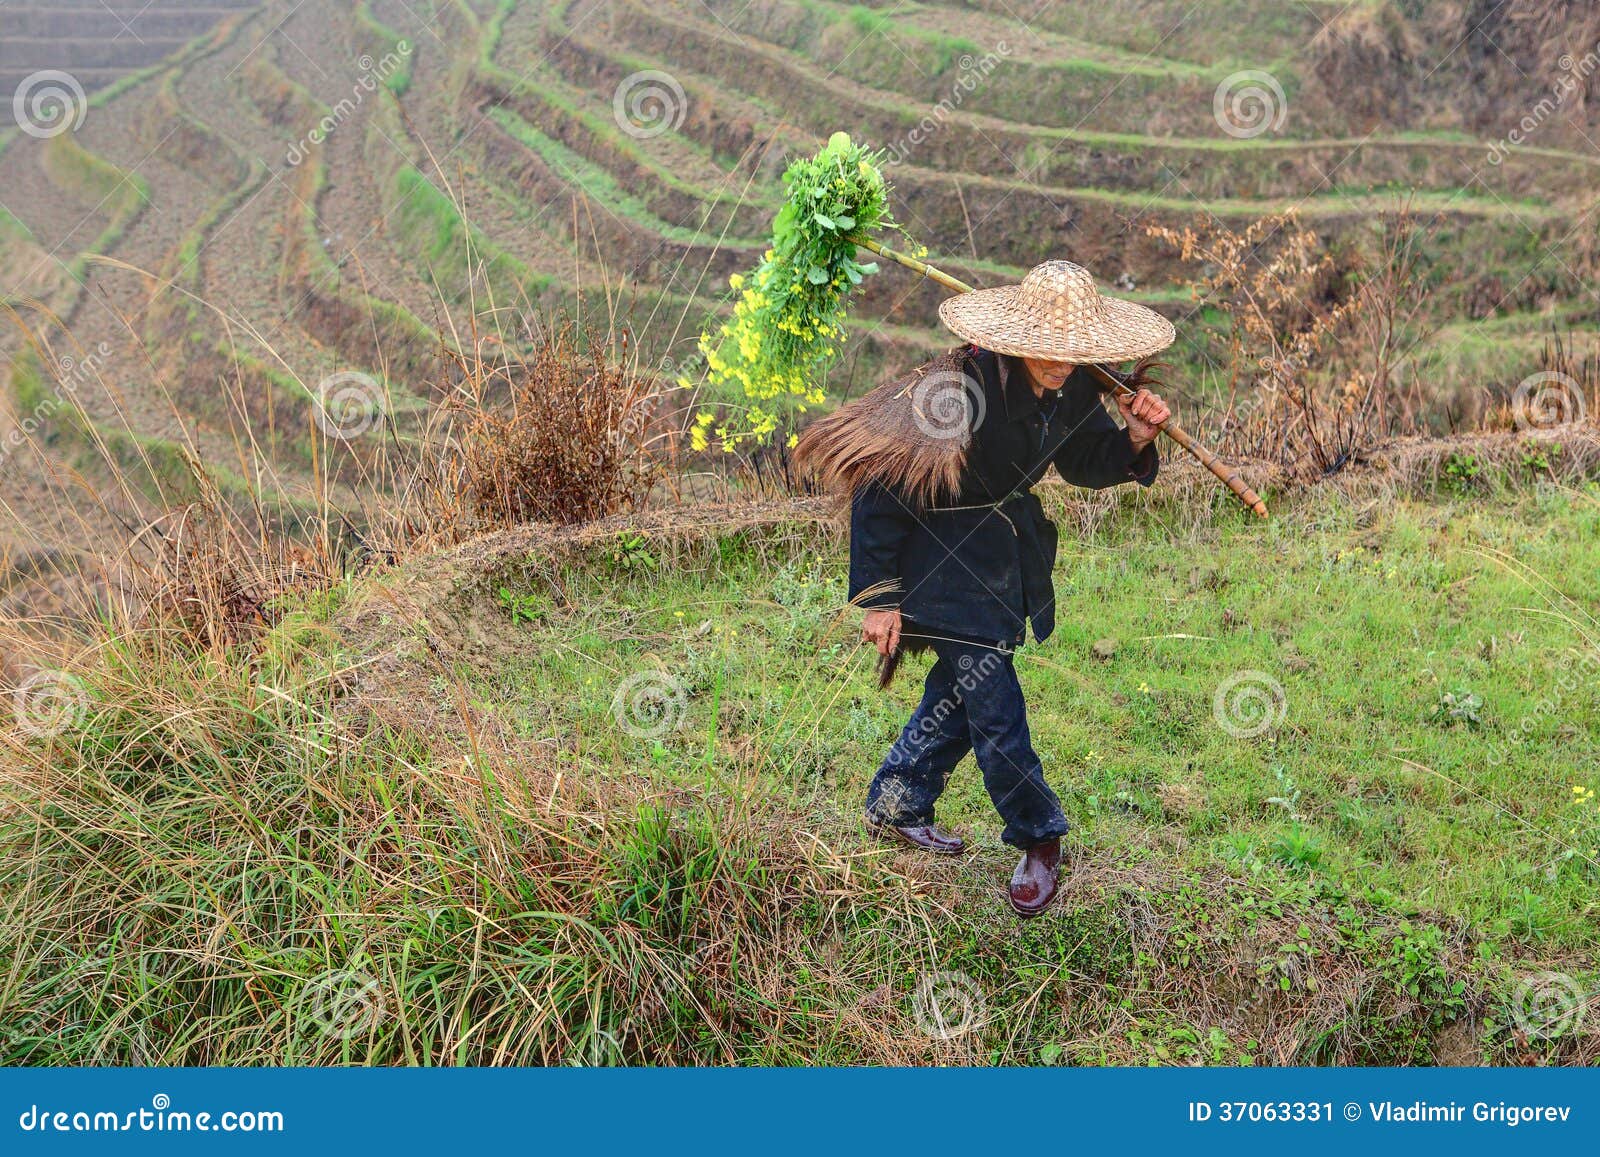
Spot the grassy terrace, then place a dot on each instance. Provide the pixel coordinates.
(1357, 871)
(1243, 33)
(1407, 646)
(1051, 83)
(577, 137)
(1213, 165)
(329, 303)
(932, 24)
(599, 140)
(578, 123)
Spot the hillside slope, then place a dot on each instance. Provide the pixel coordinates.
(316, 190)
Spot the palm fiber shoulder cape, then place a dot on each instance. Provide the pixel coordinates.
(909, 435)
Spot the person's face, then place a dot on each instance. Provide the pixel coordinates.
(1047, 375)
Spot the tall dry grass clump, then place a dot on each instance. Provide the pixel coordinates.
(218, 575)
(1563, 391)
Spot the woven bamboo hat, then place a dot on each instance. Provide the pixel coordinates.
(1057, 314)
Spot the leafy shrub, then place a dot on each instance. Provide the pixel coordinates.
(788, 323)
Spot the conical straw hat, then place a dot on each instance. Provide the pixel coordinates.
(1057, 314)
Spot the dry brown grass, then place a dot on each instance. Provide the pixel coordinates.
(560, 435)
(217, 575)
(390, 888)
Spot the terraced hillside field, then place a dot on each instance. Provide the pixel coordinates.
(255, 200)
(96, 42)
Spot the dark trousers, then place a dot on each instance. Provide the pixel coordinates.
(973, 702)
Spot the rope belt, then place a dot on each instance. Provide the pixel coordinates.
(1014, 496)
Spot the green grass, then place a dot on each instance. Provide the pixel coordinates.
(1370, 632)
(388, 40)
(12, 229)
(470, 861)
(449, 251)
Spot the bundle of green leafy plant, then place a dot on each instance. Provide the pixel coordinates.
(788, 323)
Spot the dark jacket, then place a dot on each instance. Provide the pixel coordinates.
(977, 565)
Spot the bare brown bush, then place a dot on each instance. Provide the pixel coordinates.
(1310, 359)
(557, 436)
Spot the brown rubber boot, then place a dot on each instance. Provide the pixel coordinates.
(927, 837)
(1037, 878)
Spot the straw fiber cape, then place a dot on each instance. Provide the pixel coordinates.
(940, 467)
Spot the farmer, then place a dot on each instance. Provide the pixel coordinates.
(951, 551)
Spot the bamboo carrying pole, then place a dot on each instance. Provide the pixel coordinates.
(1108, 377)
